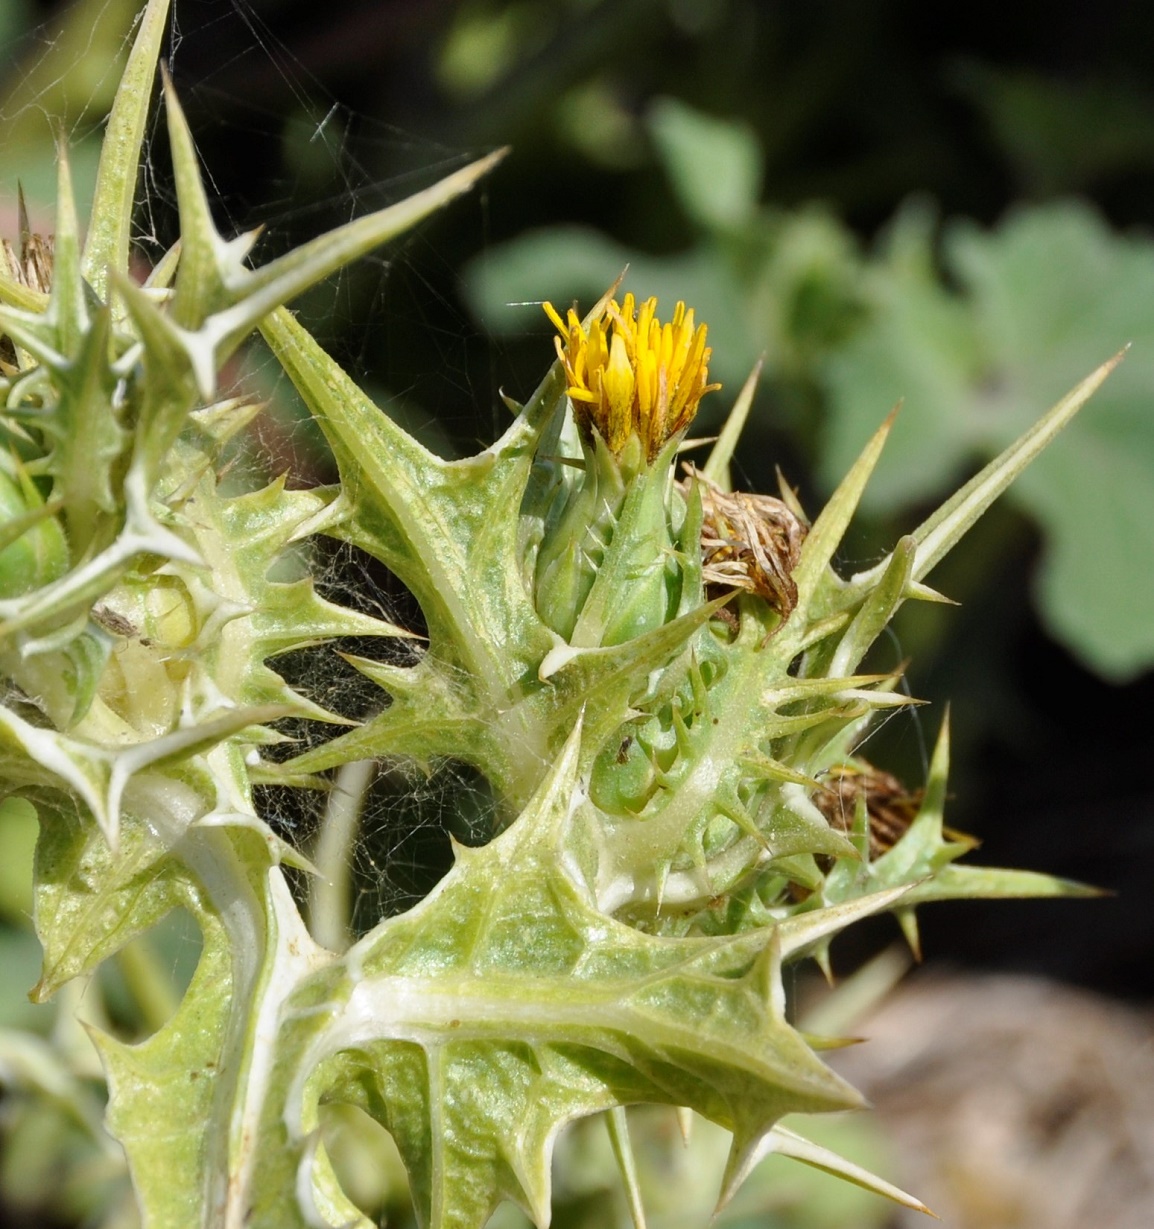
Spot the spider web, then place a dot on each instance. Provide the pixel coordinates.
(282, 152)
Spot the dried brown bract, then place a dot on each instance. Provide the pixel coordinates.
(32, 266)
(749, 542)
(890, 806)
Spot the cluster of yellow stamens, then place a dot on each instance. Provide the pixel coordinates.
(631, 374)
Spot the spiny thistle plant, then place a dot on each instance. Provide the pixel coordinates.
(659, 678)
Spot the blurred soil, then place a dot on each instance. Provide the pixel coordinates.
(1013, 1102)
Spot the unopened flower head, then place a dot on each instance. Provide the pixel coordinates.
(631, 374)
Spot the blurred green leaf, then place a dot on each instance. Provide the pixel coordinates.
(20, 960)
(715, 165)
(67, 77)
(17, 848)
(1040, 301)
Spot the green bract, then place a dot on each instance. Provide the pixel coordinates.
(661, 751)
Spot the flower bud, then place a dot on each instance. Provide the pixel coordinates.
(610, 562)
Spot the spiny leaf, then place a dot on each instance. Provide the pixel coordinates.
(939, 533)
(91, 901)
(829, 528)
(781, 1141)
(618, 1127)
(99, 774)
(200, 283)
(960, 882)
(115, 196)
(262, 290)
(877, 610)
(716, 469)
(432, 718)
(67, 307)
(435, 523)
(502, 1031)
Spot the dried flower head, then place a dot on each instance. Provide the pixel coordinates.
(749, 542)
(31, 266)
(890, 806)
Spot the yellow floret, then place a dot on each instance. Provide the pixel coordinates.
(630, 374)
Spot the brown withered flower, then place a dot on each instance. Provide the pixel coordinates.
(31, 266)
(748, 542)
(890, 807)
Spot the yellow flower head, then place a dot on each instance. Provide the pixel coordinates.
(631, 374)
